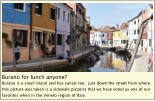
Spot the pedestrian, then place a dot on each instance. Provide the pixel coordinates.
(150, 61)
(67, 56)
(17, 52)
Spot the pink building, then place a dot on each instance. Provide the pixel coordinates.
(145, 40)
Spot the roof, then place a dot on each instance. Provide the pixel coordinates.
(124, 25)
(136, 16)
(103, 29)
(68, 6)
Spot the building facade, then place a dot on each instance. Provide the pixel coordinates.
(73, 32)
(124, 31)
(43, 28)
(78, 9)
(117, 36)
(133, 30)
(15, 25)
(100, 38)
(150, 29)
(63, 28)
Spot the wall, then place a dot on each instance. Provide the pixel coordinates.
(15, 19)
(11, 15)
(63, 27)
(7, 52)
(44, 20)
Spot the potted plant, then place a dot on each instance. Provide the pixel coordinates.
(8, 42)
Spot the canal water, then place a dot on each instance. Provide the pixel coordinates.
(108, 62)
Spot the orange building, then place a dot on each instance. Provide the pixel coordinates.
(43, 22)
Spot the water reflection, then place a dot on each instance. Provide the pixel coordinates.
(108, 62)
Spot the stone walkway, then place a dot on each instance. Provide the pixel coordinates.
(43, 59)
(140, 62)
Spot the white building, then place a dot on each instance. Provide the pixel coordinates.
(92, 41)
(133, 30)
(62, 28)
(124, 36)
(100, 38)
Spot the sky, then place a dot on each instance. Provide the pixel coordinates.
(110, 14)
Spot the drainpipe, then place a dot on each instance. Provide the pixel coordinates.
(30, 45)
(56, 30)
(13, 45)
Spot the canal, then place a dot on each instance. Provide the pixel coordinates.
(107, 62)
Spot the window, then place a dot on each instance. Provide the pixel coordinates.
(150, 42)
(52, 15)
(63, 15)
(79, 10)
(38, 8)
(19, 6)
(58, 13)
(142, 43)
(138, 31)
(134, 22)
(68, 17)
(103, 35)
(37, 37)
(124, 41)
(134, 32)
(134, 41)
(59, 39)
(21, 37)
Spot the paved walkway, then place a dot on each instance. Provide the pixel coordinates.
(6, 65)
(140, 62)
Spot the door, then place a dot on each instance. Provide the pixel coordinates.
(63, 43)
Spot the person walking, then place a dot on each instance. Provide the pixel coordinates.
(17, 52)
(150, 62)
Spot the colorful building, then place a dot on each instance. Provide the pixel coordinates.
(43, 28)
(124, 31)
(63, 27)
(78, 9)
(117, 36)
(73, 32)
(145, 39)
(85, 33)
(92, 36)
(110, 36)
(15, 25)
(150, 29)
(133, 30)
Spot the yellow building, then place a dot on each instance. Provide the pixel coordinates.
(118, 63)
(43, 18)
(85, 22)
(117, 36)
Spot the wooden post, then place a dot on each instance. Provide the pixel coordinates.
(138, 42)
(41, 61)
